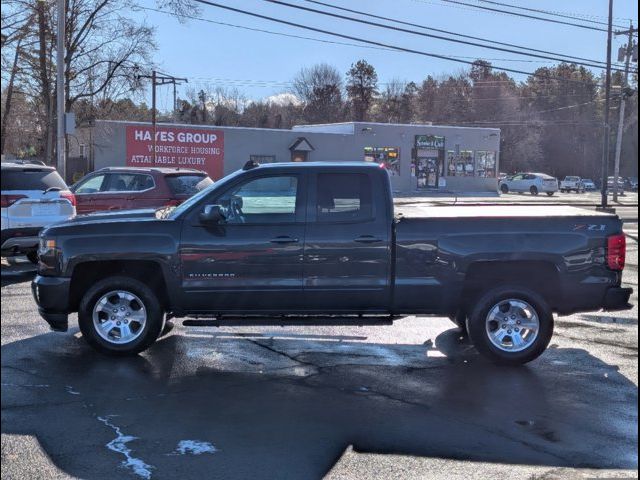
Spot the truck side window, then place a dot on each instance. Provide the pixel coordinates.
(343, 197)
(262, 200)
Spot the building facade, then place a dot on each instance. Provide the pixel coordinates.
(419, 158)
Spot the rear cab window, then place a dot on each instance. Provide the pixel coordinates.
(187, 184)
(31, 179)
(343, 197)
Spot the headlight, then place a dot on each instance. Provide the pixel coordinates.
(46, 244)
(50, 257)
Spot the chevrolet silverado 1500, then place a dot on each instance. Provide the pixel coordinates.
(320, 243)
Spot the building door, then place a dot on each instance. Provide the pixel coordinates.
(298, 156)
(427, 172)
(300, 149)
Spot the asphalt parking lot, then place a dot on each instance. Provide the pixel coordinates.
(411, 400)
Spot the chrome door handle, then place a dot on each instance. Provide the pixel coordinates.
(367, 239)
(284, 239)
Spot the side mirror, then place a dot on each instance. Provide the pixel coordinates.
(212, 215)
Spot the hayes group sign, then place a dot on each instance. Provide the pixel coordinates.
(176, 147)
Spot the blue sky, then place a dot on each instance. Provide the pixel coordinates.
(209, 54)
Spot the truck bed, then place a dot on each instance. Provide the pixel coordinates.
(495, 211)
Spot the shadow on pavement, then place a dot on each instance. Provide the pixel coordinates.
(289, 407)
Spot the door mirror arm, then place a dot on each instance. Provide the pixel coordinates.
(212, 215)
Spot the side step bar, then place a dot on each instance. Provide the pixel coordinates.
(287, 321)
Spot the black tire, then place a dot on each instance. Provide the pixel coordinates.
(504, 189)
(478, 332)
(534, 190)
(33, 257)
(150, 331)
(550, 194)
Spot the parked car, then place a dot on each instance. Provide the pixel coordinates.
(631, 184)
(309, 239)
(611, 185)
(589, 185)
(33, 196)
(533, 183)
(124, 188)
(572, 183)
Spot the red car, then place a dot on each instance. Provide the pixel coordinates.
(123, 188)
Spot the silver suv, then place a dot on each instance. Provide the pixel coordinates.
(33, 196)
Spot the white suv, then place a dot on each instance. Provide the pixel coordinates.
(572, 183)
(33, 196)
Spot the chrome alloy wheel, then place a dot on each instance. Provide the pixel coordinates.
(119, 317)
(512, 325)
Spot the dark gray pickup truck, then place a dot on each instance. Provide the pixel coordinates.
(319, 243)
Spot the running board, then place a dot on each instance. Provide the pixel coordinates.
(288, 321)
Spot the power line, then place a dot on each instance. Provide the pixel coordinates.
(561, 22)
(546, 12)
(572, 57)
(271, 32)
(413, 32)
(380, 44)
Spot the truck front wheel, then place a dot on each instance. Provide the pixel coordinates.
(511, 325)
(120, 316)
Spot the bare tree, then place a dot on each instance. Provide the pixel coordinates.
(320, 90)
(103, 48)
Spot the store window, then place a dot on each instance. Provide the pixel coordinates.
(460, 164)
(387, 156)
(486, 164)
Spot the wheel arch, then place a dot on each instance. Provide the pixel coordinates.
(86, 274)
(540, 276)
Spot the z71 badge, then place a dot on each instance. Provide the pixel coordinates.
(590, 227)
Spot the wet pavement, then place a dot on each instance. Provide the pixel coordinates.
(411, 400)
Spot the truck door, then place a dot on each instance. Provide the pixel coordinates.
(252, 261)
(347, 244)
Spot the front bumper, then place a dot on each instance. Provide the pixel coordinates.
(52, 296)
(617, 298)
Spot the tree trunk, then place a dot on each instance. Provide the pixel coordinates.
(45, 83)
(7, 104)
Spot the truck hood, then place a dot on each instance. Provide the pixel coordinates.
(92, 221)
(114, 215)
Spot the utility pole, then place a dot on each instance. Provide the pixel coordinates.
(623, 95)
(60, 91)
(156, 80)
(153, 112)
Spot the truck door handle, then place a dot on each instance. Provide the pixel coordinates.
(367, 239)
(284, 239)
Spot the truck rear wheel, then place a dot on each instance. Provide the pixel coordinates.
(511, 325)
(120, 316)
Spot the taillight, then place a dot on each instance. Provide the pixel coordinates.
(69, 196)
(173, 203)
(8, 200)
(616, 252)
